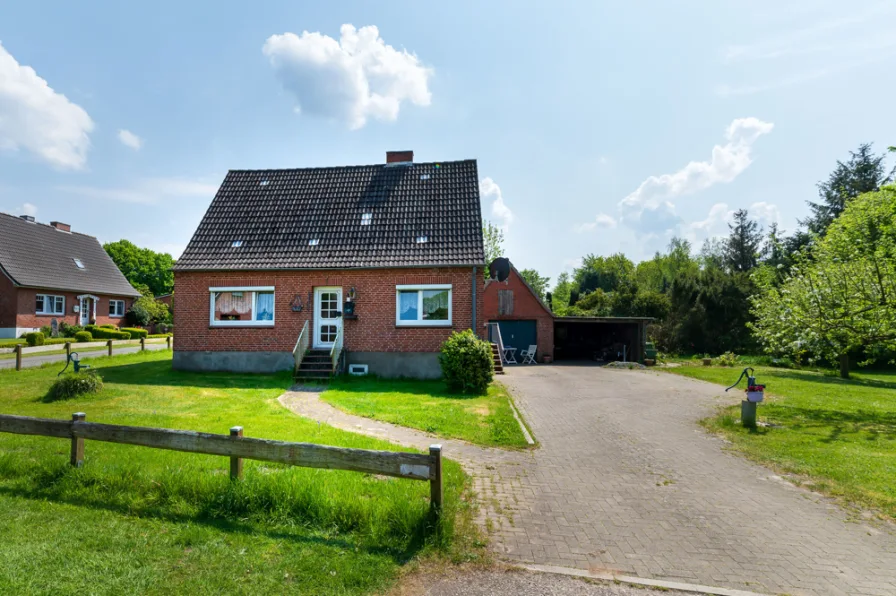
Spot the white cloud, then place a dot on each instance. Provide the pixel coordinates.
(149, 191)
(765, 213)
(25, 209)
(601, 221)
(352, 79)
(129, 139)
(720, 215)
(499, 210)
(37, 119)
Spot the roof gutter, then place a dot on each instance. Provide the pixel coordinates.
(361, 268)
(473, 326)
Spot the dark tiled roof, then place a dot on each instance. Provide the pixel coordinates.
(37, 255)
(275, 213)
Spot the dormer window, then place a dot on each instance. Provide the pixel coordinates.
(78, 263)
(366, 219)
(236, 243)
(422, 239)
(313, 242)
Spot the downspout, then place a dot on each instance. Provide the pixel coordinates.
(475, 330)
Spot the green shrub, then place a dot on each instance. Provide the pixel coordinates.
(467, 363)
(136, 333)
(75, 384)
(83, 336)
(108, 326)
(47, 331)
(165, 328)
(107, 333)
(54, 341)
(726, 359)
(35, 338)
(159, 335)
(67, 330)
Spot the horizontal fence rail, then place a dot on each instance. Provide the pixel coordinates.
(413, 466)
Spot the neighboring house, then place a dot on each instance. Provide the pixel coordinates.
(48, 272)
(167, 299)
(279, 249)
(523, 318)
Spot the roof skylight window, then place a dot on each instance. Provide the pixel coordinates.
(78, 263)
(366, 218)
(236, 243)
(264, 182)
(424, 176)
(422, 239)
(313, 242)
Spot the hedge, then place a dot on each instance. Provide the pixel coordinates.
(159, 335)
(136, 332)
(83, 336)
(35, 338)
(105, 333)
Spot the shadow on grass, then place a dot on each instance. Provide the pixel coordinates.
(302, 533)
(160, 373)
(876, 424)
(831, 380)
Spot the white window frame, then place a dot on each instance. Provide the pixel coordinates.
(48, 298)
(421, 322)
(117, 316)
(255, 289)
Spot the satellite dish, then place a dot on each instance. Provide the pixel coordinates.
(499, 269)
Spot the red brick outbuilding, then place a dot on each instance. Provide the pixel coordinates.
(521, 314)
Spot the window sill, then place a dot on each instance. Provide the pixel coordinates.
(252, 326)
(50, 314)
(418, 326)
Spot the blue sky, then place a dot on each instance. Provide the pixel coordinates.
(598, 127)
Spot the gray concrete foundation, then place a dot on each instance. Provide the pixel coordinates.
(390, 365)
(243, 362)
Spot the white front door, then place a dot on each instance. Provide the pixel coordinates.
(85, 311)
(327, 323)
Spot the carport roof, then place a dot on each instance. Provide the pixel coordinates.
(603, 319)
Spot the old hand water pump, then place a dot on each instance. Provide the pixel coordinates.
(755, 393)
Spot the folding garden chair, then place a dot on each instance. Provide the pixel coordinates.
(529, 355)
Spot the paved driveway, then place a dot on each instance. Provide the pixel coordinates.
(625, 480)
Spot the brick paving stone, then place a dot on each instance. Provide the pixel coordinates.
(625, 480)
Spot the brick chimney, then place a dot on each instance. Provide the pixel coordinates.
(62, 227)
(399, 156)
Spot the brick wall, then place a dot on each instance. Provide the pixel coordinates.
(26, 315)
(525, 307)
(373, 331)
(8, 302)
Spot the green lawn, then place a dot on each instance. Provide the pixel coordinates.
(140, 520)
(838, 437)
(427, 405)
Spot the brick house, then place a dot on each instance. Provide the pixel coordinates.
(385, 260)
(49, 273)
(523, 318)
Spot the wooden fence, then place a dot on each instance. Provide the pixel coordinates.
(414, 466)
(20, 350)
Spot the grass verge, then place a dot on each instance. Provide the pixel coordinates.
(837, 437)
(142, 520)
(428, 406)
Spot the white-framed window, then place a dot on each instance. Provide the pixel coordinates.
(116, 308)
(46, 304)
(241, 306)
(423, 305)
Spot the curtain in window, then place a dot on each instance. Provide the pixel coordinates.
(435, 305)
(407, 305)
(227, 303)
(264, 306)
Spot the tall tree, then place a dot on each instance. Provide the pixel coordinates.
(493, 240)
(605, 273)
(143, 266)
(743, 244)
(843, 298)
(560, 295)
(862, 172)
(538, 283)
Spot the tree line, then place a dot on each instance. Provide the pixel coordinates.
(825, 292)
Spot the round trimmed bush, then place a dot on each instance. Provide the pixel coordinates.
(35, 338)
(74, 385)
(467, 363)
(83, 336)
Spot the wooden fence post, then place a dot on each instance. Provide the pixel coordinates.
(18, 356)
(142, 344)
(77, 443)
(109, 344)
(68, 349)
(168, 341)
(236, 463)
(435, 480)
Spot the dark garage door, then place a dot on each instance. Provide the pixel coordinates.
(518, 334)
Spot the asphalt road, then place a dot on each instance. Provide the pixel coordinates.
(39, 360)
